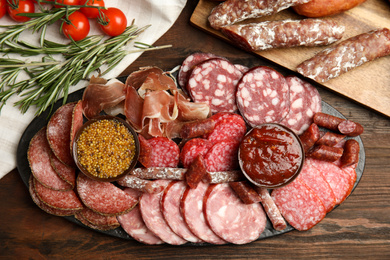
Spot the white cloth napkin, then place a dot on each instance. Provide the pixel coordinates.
(159, 14)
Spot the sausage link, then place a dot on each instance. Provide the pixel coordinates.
(245, 192)
(350, 128)
(325, 153)
(284, 33)
(309, 137)
(351, 153)
(330, 139)
(196, 171)
(140, 184)
(197, 128)
(327, 121)
(348, 54)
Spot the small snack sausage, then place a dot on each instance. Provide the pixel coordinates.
(284, 33)
(351, 153)
(325, 153)
(350, 128)
(310, 137)
(245, 192)
(320, 8)
(346, 55)
(138, 184)
(197, 128)
(271, 209)
(327, 121)
(330, 139)
(196, 171)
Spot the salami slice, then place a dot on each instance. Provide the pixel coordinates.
(134, 225)
(59, 133)
(340, 181)
(77, 121)
(283, 33)
(96, 221)
(158, 152)
(229, 126)
(299, 205)
(230, 218)
(63, 200)
(215, 82)
(45, 207)
(305, 101)
(189, 63)
(65, 172)
(170, 204)
(314, 179)
(233, 11)
(223, 156)
(193, 148)
(191, 207)
(152, 215)
(38, 154)
(104, 197)
(263, 96)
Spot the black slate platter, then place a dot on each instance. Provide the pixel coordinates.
(42, 120)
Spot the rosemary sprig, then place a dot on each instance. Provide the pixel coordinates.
(51, 79)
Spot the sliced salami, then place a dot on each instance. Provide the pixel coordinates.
(134, 225)
(170, 204)
(104, 197)
(63, 200)
(314, 179)
(263, 96)
(65, 172)
(189, 63)
(38, 155)
(223, 156)
(59, 133)
(45, 207)
(340, 181)
(193, 148)
(229, 126)
(191, 207)
(299, 205)
(152, 215)
(77, 121)
(96, 221)
(215, 82)
(158, 152)
(230, 218)
(305, 101)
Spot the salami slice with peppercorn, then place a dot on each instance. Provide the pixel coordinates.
(229, 126)
(263, 96)
(230, 218)
(104, 197)
(158, 152)
(215, 82)
(39, 154)
(193, 148)
(223, 156)
(59, 133)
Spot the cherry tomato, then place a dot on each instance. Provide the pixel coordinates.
(91, 12)
(16, 7)
(76, 27)
(112, 21)
(66, 2)
(3, 7)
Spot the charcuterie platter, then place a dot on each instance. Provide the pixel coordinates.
(41, 121)
(367, 85)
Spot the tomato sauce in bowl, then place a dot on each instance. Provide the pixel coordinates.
(271, 155)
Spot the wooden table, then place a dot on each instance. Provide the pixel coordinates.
(358, 229)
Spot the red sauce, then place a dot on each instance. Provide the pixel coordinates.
(271, 155)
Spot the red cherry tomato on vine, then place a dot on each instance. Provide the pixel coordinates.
(112, 21)
(91, 12)
(76, 27)
(66, 2)
(16, 7)
(3, 7)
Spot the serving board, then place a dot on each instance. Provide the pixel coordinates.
(368, 84)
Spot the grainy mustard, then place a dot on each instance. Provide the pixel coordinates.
(106, 148)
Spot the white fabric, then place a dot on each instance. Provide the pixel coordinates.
(159, 14)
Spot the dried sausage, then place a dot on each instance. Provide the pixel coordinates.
(351, 153)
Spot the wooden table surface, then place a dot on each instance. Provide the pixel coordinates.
(358, 229)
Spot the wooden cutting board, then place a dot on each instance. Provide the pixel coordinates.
(368, 84)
